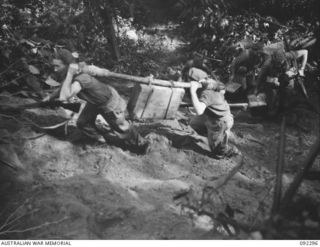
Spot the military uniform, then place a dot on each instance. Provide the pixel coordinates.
(217, 119)
(101, 99)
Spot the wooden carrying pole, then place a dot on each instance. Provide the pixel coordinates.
(150, 80)
(96, 71)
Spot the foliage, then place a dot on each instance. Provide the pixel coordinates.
(30, 29)
(285, 9)
(20, 59)
(216, 28)
(143, 56)
(210, 25)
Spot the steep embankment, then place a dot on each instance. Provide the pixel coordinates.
(82, 191)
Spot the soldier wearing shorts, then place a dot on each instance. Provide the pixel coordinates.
(101, 99)
(213, 112)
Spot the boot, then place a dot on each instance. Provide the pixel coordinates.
(230, 151)
(133, 138)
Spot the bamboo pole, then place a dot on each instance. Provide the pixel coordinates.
(96, 71)
(149, 80)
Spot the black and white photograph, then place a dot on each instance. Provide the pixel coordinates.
(159, 120)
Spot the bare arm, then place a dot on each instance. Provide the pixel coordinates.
(75, 88)
(198, 105)
(304, 55)
(68, 88)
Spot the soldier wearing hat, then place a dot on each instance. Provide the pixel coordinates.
(213, 113)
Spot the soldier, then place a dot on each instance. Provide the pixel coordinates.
(275, 75)
(213, 113)
(243, 67)
(101, 99)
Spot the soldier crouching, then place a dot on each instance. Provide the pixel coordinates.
(214, 113)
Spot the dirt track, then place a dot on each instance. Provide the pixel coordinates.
(104, 192)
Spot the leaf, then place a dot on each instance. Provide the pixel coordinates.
(33, 70)
(75, 54)
(34, 50)
(7, 5)
(52, 82)
(24, 41)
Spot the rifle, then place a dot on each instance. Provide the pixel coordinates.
(75, 107)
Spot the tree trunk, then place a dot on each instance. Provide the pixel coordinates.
(112, 38)
(106, 13)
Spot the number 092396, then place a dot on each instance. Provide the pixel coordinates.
(309, 242)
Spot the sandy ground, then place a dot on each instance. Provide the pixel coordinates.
(80, 191)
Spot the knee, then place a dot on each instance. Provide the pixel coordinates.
(124, 126)
(119, 124)
(229, 124)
